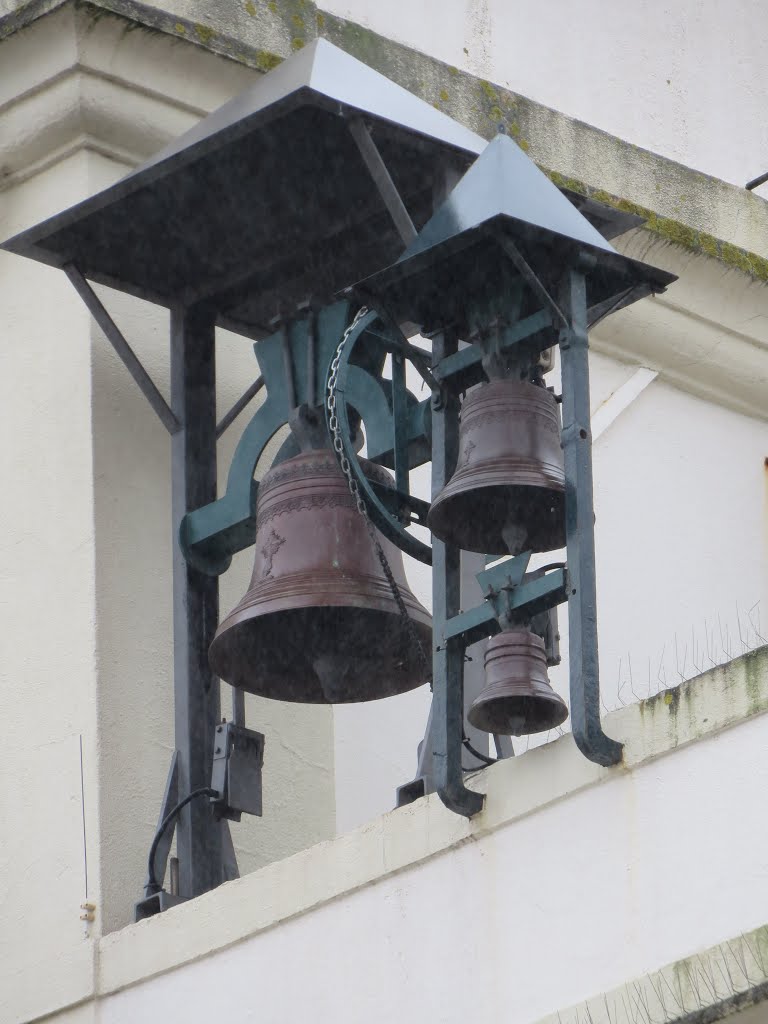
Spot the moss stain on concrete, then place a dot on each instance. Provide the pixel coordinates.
(204, 33)
(671, 230)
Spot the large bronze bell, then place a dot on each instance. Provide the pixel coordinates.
(507, 494)
(517, 698)
(319, 623)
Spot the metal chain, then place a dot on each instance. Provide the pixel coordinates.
(354, 489)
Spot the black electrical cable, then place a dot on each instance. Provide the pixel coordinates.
(480, 757)
(152, 886)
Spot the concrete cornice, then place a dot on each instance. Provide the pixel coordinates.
(72, 81)
(708, 334)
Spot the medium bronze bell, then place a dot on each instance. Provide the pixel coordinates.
(507, 494)
(319, 623)
(517, 698)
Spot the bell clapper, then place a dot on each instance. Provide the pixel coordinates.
(515, 535)
(332, 671)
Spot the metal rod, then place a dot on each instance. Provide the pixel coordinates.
(123, 349)
(400, 422)
(229, 418)
(312, 360)
(383, 180)
(173, 882)
(529, 276)
(580, 531)
(290, 383)
(238, 705)
(474, 670)
(448, 654)
(759, 180)
(229, 857)
(397, 340)
(195, 596)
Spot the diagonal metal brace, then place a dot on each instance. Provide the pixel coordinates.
(123, 349)
(245, 399)
(529, 276)
(382, 179)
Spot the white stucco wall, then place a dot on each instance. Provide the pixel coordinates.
(47, 602)
(684, 79)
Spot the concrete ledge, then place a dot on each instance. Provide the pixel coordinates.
(701, 989)
(695, 710)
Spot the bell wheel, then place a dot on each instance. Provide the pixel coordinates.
(396, 426)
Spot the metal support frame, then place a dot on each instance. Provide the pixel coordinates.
(123, 349)
(204, 846)
(580, 533)
(382, 179)
(195, 596)
(448, 653)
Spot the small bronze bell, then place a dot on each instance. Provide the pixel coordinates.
(319, 623)
(517, 698)
(507, 494)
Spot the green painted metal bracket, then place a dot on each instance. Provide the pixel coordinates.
(210, 535)
(521, 599)
(466, 364)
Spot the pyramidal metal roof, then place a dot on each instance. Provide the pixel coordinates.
(333, 75)
(503, 181)
(267, 202)
(460, 252)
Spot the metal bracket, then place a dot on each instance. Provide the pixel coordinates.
(155, 904)
(123, 349)
(464, 368)
(238, 757)
(520, 602)
(211, 534)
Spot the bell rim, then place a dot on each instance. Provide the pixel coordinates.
(553, 700)
(486, 537)
(274, 680)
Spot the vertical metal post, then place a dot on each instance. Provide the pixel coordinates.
(473, 671)
(580, 531)
(195, 596)
(447, 656)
